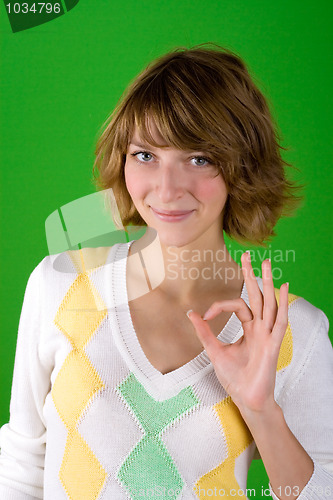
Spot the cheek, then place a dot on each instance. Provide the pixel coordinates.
(212, 190)
(134, 183)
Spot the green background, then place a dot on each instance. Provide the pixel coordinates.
(60, 80)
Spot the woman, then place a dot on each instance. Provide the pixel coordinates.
(110, 362)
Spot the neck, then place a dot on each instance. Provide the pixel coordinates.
(187, 272)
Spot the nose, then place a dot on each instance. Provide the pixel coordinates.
(169, 183)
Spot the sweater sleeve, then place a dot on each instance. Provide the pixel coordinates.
(23, 439)
(307, 399)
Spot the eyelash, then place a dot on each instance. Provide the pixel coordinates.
(209, 162)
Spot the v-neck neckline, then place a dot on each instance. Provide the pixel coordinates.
(159, 385)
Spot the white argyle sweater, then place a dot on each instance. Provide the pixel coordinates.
(92, 419)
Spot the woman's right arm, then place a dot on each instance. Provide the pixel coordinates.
(23, 439)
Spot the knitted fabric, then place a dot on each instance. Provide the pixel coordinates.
(92, 418)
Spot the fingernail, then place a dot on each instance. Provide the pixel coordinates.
(206, 315)
(188, 312)
(287, 283)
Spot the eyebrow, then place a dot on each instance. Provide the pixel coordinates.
(139, 145)
(144, 145)
(148, 146)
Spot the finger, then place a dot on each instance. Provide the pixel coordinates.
(270, 304)
(238, 306)
(204, 333)
(281, 322)
(253, 290)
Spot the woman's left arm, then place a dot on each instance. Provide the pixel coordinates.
(306, 398)
(247, 371)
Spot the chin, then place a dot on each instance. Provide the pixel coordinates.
(171, 238)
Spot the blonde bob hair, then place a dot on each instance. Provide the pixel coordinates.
(203, 99)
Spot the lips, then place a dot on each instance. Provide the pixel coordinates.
(171, 212)
(171, 215)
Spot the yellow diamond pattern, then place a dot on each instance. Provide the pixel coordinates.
(286, 349)
(81, 473)
(78, 317)
(238, 437)
(81, 312)
(76, 382)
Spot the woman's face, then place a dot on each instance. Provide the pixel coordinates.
(178, 193)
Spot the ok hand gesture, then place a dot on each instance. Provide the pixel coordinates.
(247, 368)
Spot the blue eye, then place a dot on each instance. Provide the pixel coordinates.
(143, 156)
(146, 157)
(201, 161)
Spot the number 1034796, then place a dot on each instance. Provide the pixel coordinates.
(323, 491)
(34, 8)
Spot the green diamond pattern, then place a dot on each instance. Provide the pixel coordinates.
(149, 466)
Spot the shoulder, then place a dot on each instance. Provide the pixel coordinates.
(302, 313)
(307, 331)
(74, 261)
(59, 271)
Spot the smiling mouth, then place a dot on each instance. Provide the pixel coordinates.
(171, 215)
(171, 212)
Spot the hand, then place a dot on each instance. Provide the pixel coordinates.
(247, 368)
